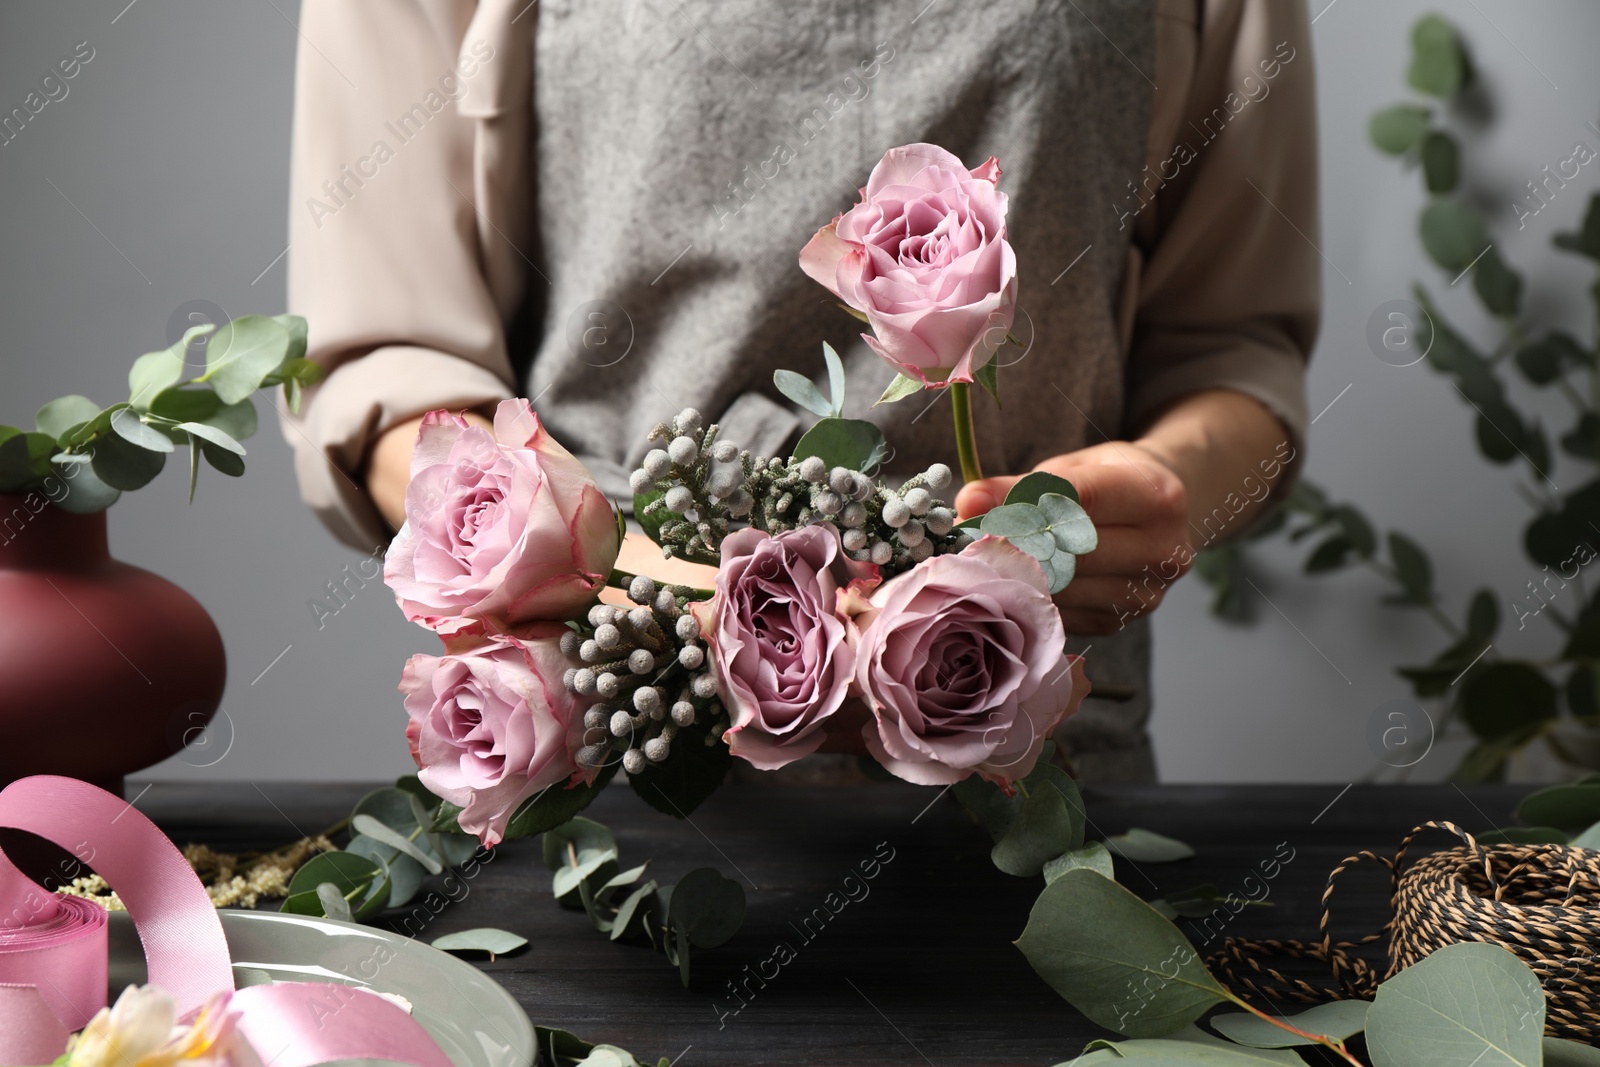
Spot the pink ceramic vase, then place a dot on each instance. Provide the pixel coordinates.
(105, 668)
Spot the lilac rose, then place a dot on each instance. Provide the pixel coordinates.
(781, 650)
(492, 726)
(961, 660)
(924, 257)
(500, 529)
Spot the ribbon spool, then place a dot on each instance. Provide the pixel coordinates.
(1539, 902)
(54, 955)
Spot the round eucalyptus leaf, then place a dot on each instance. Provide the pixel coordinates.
(1041, 546)
(243, 353)
(1398, 129)
(213, 435)
(1058, 571)
(1440, 158)
(1042, 831)
(63, 413)
(1453, 233)
(1035, 484)
(1014, 520)
(1460, 1003)
(86, 493)
(154, 372)
(222, 459)
(1438, 66)
(1094, 856)
(1114, 958)
(123, 465)
(706, 907)
(128, 426)
(1070, 525)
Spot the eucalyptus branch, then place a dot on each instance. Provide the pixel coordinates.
(1336, 1047)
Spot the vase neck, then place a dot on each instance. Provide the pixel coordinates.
(34, 533)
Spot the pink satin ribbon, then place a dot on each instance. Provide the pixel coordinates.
(53, 953)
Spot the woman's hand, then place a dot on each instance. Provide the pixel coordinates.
(1140, 508)
(1157, 500)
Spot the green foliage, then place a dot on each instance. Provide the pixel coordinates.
(1399, 129)
(1114, 958)
(1420, 1017)
(1055, 530)
(682, 783)
(1337, 1020)
(1145, 846)
(484, 939)
(1438, 63)
(902, 387)
(99, 453)
(1506, 705)
(851, 443)
(703, 911)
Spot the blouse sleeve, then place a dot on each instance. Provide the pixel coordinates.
(1226, 271)
(408, 217)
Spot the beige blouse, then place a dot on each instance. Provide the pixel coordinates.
(411, 281)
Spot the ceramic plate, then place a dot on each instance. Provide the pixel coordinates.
(473, 1019)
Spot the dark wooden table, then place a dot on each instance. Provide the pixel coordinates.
(920, 969)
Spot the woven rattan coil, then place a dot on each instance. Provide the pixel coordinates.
(1541, 902)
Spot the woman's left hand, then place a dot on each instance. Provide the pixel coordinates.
(1140, 508)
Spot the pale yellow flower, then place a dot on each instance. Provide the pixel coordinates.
(141, 1030)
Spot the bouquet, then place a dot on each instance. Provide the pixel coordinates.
(846, 609)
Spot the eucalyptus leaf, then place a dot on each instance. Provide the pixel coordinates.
(63, 413)
(1460, 1003)
(213, 435)
(1014, 520)
(1503, 697)
(366, 824)
(1094, 856)
(1398, 129)
(902, 387)
(1042, 831)
(155, 372)
(1058, 570)
(802, 391)
(684, 782)
(1523, 835)
(1438, 66)
(481, 939)
(1337, 1020)
(629, 914)
(1453, 233)
(1143, 846)
(707, 907)
(1070, 525)
(1115, 959)
(130, 428)
(1186, 1048)
(835, 378)
(1412, 566)
(123, 465)
(334, 906)
(1440, 161)
(1035, 484)
(405, 873)
(86, 493)
(853, 443)
(243, 353)
(224, 460)
(356, 877)
(1566, 806)
(295, 327)
(1559, 1053)
(1589, 838)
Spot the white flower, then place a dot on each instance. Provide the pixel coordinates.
(141, 1030)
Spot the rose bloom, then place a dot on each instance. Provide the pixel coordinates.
(924, 256)
(781, 651)
(141, 1030)
(500, 529)
(961, 661)
(494, 725)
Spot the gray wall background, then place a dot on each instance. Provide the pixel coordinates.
(161, 178)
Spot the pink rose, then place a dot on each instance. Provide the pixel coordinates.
(961, 661)
(924, 256)
(782, 655)
(500, 529)
(494, 725)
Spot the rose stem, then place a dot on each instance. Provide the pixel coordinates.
(966, 440)
(621, 579)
